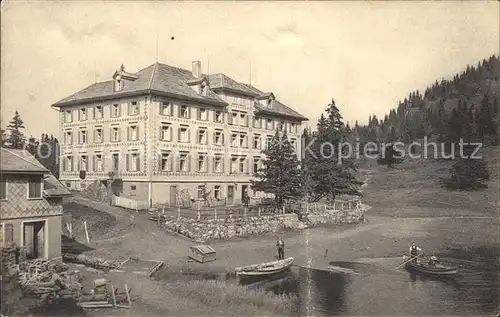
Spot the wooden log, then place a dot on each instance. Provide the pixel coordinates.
(122, 306)
(155, 268)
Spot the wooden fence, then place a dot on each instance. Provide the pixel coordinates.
(253, 210)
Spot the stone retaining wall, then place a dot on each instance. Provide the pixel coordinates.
(222, 229)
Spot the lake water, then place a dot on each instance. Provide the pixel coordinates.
(377, 290)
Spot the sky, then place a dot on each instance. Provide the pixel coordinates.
(365, 55)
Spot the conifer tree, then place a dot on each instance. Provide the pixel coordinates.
(16, 138)
(281, 174)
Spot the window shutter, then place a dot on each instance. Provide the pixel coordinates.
(188, 131)
(94, 163)
(198, 141)
(138, 163)
(137, 133)
(198, 114)
(9, 234)
(189, 159)
(246, 121)
(222, 137)
(178, 162)
(128, 162)
(170, 133)
(188, 109)
(179, 134)
(64, 164)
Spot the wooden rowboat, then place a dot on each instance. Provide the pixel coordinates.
(265, 268)
(438, 270)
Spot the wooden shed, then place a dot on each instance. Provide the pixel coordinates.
(202, 253)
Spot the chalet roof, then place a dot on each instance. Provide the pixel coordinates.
(52, 187)
(20, 161)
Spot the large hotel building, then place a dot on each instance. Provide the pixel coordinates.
(165, 129)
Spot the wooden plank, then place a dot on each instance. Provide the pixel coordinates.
(94, 303)
(97, 306)
(121, 264)
(113, 295)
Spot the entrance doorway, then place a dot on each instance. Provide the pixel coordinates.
(173, 195)
(34, 239)
(230, 194)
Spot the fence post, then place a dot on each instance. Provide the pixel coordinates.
(178, 212)
(324, 205)
(334, 208)
(259, 211)
(215, 213)
(199, 215)
(245, 211)
(86, 231)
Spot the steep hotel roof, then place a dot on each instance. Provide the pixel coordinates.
(174, 82)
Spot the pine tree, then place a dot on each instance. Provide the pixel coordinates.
(16, 138)
(328, 175)
(281, 175)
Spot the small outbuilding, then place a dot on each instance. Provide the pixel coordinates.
(202, 253)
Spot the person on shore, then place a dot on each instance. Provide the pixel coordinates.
(414, 250)
(280, 244)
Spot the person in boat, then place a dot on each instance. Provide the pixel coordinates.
(432, 261)
(414, 250)
(280, 244)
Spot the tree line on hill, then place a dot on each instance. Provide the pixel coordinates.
(45, 149)
(463, 108)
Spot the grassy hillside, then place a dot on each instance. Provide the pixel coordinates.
(414, 188)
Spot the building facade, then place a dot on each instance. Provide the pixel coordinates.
(31, 204)
(166, 130)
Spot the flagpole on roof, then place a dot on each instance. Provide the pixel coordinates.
(250, 75)
(157, 37)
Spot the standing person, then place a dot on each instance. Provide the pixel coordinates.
(281, 248)
(414, 252)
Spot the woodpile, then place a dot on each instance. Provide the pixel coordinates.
(105, 295)
(91, 261)
(45, 279)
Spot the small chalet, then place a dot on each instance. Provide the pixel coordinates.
(31, 201)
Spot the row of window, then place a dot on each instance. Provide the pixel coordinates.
(238, 164)
(34, 188)
(239, 118)
(238, 139)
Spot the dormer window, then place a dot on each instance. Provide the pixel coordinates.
(118, 83)
(120, 76)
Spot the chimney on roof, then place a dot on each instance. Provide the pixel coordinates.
(196, 69)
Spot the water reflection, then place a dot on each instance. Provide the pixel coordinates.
(388, 292)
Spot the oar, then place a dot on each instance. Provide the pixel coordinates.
(409, 260)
